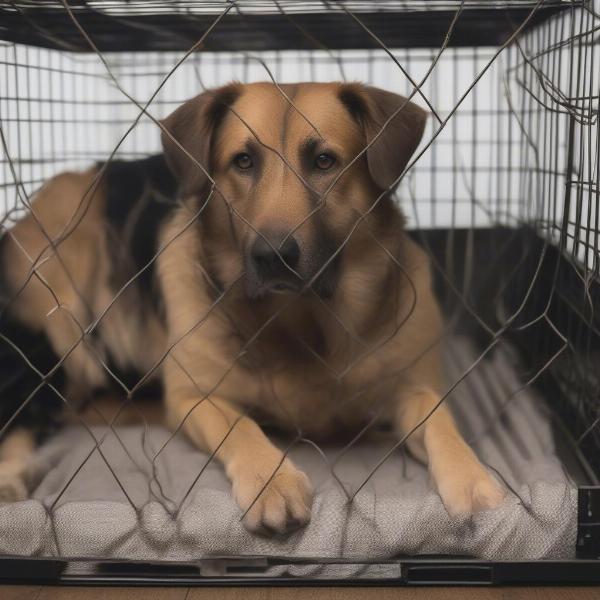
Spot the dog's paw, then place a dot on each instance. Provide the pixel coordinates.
(281, 507)
(469, 489)
(12, 488)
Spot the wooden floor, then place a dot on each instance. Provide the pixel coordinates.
(90, 593)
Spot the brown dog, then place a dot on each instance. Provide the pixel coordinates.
(288, 287)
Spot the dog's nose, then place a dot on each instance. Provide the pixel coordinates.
(265, 256)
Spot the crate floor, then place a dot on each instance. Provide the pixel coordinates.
(82, 511)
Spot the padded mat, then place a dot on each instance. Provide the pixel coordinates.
(119, 505)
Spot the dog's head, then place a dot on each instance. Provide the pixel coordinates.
(291, 169)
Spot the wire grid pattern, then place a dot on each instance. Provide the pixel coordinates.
(133, 7)
(557, 91)
(49, 127)
(512, 140)
(258, 25)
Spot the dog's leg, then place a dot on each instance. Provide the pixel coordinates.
(251, 462)
(462, 481)
(16, 450)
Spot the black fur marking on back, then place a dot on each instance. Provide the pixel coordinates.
(140, 194)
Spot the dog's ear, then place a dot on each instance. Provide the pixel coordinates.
(193, 125)
(391, 151)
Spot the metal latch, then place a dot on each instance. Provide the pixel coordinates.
(588, 522)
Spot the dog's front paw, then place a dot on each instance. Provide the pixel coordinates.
(280, 507)
(468, 488)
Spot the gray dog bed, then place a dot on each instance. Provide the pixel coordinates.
(397, 512)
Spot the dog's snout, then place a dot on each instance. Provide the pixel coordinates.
(275, 255)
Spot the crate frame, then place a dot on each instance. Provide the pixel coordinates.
(556, 267)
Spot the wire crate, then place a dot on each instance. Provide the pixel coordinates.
(502, 194)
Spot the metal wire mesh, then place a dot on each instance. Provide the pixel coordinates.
(503, 192)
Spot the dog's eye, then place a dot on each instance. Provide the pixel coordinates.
(324, 161)
(243, 161)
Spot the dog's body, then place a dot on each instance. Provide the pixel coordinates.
(287, 286)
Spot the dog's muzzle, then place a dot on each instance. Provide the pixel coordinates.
(276, 263)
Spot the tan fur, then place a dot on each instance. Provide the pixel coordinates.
(16, 451)
(232, 359)
(57, 258)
